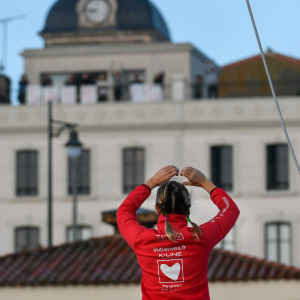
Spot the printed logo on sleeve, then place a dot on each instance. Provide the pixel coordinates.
(221, 213)
(170, 271)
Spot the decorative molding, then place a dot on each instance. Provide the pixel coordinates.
(92, 50)
(213, 114)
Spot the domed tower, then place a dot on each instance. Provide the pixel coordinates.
(104, 21)
(100, 39)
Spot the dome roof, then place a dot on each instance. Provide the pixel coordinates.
(133, 15)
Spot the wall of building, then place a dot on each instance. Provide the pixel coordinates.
(179, 133)
(112, 292)
(153, 58)
(267, 290)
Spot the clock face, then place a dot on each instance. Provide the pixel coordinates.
(97, 11)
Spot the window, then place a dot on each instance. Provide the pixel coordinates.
(26, 238)
(228, 243)
(133, 168)
(82, 175)
(277, 167)
(278, 243)
(221, 167)
(84, 232)
(27, 173)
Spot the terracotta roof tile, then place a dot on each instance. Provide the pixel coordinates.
(258, 57)
(109, 260)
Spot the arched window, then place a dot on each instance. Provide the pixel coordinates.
(278, 242)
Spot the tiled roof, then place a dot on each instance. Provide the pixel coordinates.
(109, 260)
(269, 53)
(230, 266)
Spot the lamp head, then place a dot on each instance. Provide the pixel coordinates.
(74, 146)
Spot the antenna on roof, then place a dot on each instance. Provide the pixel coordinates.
(4, 43)
(272, 89)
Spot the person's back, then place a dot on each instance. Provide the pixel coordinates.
(179, 268)
(174, 257)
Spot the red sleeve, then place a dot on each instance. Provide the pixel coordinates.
(217, 228)
(126, 215)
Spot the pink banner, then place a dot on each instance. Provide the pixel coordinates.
(88, 94)
(33, 95)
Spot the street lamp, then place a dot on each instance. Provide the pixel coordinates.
(73, 145)
(74, 150)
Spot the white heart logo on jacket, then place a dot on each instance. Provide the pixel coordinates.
(171, 272)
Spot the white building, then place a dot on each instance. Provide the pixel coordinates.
(238, 143)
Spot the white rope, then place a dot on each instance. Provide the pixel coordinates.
(272, 89)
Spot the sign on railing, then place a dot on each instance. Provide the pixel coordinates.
(88, 94)
(50, 94)
(145, 93)
(139, 92)
(33, 94)
(69, 94)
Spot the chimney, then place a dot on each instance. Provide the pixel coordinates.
(146, 217)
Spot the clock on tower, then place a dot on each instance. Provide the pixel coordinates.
(96, 13)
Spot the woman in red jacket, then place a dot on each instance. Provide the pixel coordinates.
(174, 257)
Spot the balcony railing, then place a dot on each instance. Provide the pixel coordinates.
(177, 90)
(94, 93)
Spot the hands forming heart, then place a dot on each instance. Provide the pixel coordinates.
(194, 176)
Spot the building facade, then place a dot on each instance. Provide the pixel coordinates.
(127, 143)
(237, 142)
(133, 40)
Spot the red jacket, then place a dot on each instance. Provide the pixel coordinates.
(174, 270)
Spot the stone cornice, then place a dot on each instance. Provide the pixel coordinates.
(107, 49)
(107, 37)
(189, 115)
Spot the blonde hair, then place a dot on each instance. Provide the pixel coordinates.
(173, 197)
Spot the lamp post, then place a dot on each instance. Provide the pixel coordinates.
(73, 148)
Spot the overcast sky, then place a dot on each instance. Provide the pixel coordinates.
(221, 29)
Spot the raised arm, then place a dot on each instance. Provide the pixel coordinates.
(197, 178)
(126, 215)
(217, 228)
